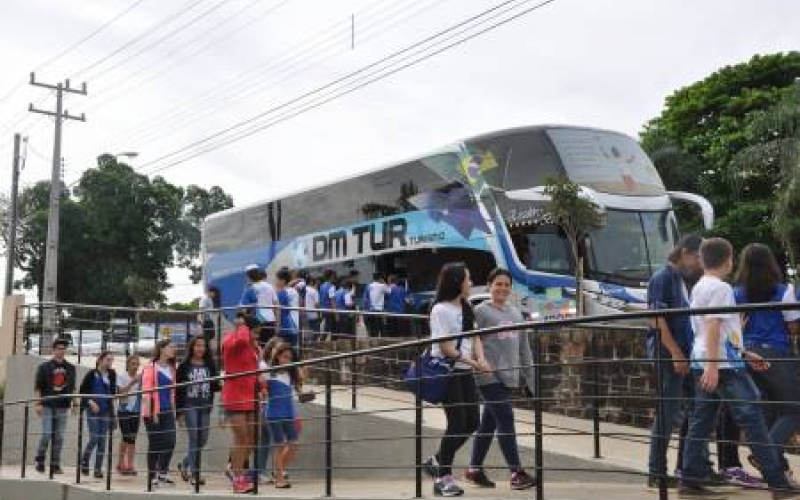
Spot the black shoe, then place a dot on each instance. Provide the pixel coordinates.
(39, 466)
(98, 474)
(432, 467)
(85, 471)
(697, 491)
(184, 472)
(478, 478)
(56, 470)
(201, 482)
(652, 482)
(164, 480)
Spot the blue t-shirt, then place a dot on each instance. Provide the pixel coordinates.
(667, 290)
(281, 397)
(288, 326)
(765, 327)
(396, 302)
(324, 298)
(102, 385)
(340, 297)
(164, 393)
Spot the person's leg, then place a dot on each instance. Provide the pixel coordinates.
(167, 422)
(506, 430)
(672, 391)
(695, 467)
(153, 446)
(485, 435)
(739, 387)
(134, 428)
(61, 415)
(102, 435)
(93, 426)
(47, 435)
(204, 432)
(728, 435)
(463, 418)
(192, 421)
(264, 450)
(779, 384)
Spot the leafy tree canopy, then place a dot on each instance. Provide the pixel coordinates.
(120, 232)
(712, 139)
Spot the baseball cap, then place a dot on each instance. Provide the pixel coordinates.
(251, 267)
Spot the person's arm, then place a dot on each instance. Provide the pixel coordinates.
(86, 390)
(526, 359)
(710, 378)
(39, 381)
(659, 295)
(481, 364)
(180, 391)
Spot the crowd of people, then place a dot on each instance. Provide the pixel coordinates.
(735, 373)
(714, 370)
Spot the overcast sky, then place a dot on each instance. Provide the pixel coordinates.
(169, 73)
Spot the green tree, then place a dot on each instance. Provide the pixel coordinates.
(120, 232)
(577, 216)
(774, 135)
(704, 127)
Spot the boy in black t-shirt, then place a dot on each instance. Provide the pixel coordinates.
(54, 378)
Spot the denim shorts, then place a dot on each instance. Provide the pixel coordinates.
(283, 431)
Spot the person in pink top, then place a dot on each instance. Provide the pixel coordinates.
(158, 412)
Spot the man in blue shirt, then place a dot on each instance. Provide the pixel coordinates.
(396, 303)
(667, 289)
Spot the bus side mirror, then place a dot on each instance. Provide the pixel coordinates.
(706, 209)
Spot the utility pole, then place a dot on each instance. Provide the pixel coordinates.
(51, 255)
(12, 219)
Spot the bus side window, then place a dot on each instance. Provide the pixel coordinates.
(549, 251)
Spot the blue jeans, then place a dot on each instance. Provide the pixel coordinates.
(780, 383)
(498, 416)
(52, 418)
(198, 428)
(740, 391)
(97, 424)
(263, 452)
(677, 391)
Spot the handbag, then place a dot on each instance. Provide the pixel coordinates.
(427, 376)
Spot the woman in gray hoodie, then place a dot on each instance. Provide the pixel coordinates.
(509, 353)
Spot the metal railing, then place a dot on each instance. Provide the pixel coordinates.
(590, 369)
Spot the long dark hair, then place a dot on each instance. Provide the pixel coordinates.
(160, 345)
(448, 288)
(758, 272)
(208, 360)
(100, 358)
(279, 349)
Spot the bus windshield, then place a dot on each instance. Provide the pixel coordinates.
(630, 246)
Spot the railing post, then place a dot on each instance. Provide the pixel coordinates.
(353, 375)
(418, 428)
(110, 446)
(538, 456)
(80, 443)
(328, 433)
(25, 440)
(80, 343)
(218, 327)
(661, 465)
(595, 396)
(257, 465)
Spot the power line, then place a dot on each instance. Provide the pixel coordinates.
(236, 89)
(420, 56)
(72, 47)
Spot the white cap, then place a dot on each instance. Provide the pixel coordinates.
(251, 267)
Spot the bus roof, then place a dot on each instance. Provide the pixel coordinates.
(450, 148)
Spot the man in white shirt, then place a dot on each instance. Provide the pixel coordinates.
(375, 296)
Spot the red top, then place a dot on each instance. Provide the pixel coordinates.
(239, 355)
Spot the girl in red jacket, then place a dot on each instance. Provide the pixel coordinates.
(239, 398)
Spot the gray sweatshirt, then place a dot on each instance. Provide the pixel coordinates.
(504, 350)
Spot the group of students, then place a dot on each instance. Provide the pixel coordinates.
(726, 366)
(278, 305)
(150, 395)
